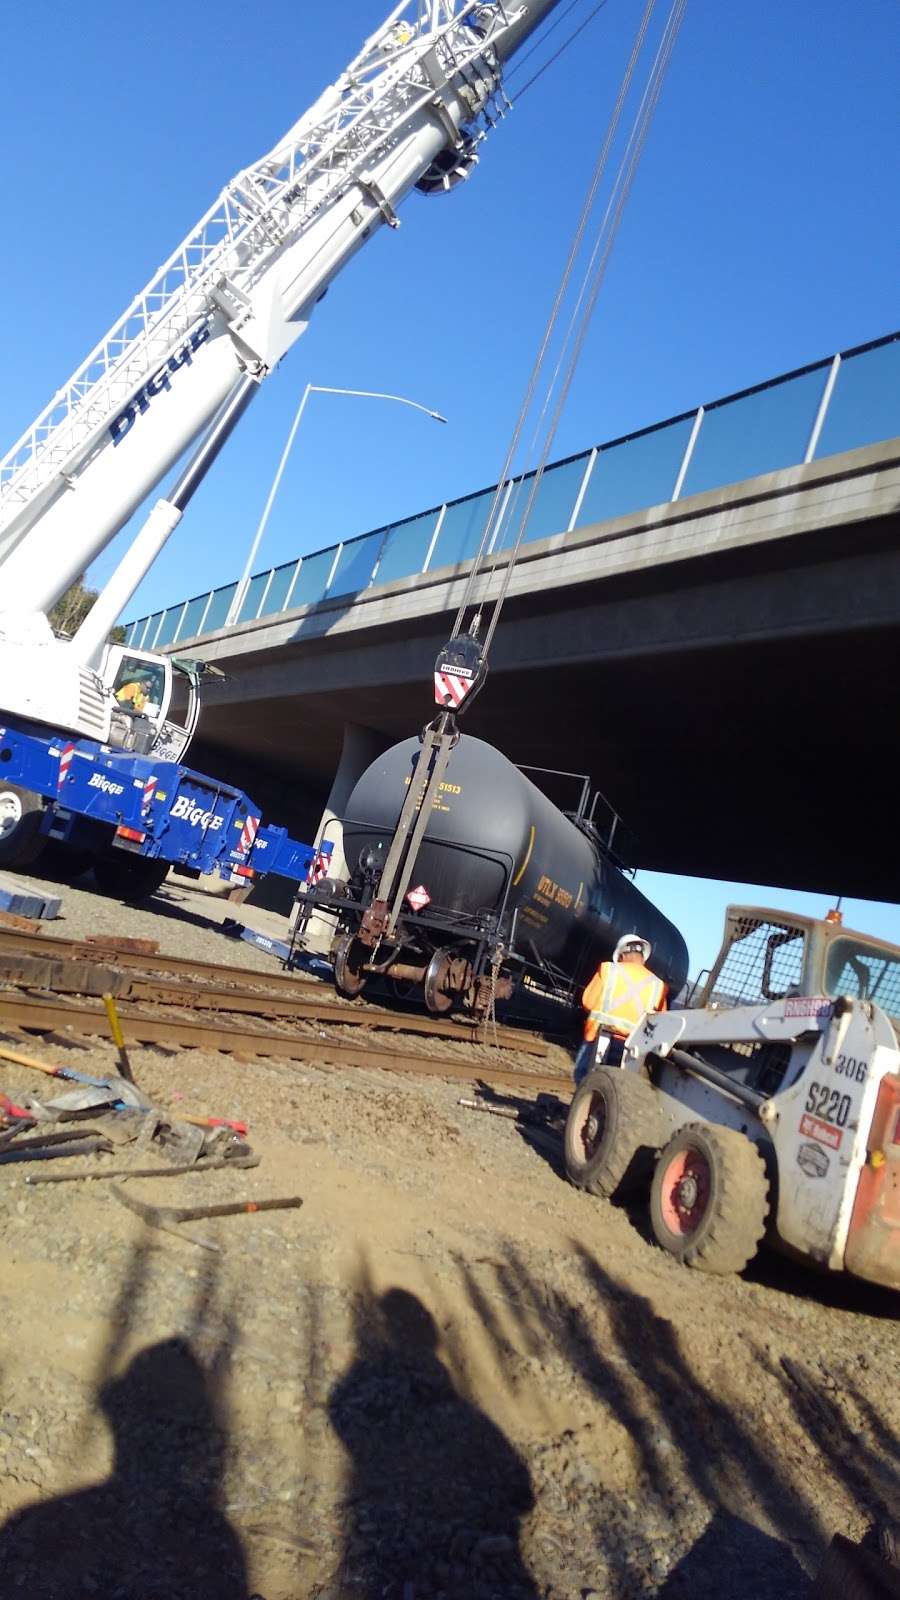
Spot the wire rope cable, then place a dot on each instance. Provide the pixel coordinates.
(551, 60)
(597, 176)
(591, 282)
(593, 278)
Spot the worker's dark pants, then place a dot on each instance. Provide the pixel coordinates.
(605, 1050)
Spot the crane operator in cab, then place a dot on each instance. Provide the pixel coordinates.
(617, 997)
(137, 693)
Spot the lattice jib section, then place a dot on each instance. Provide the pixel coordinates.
(270, 201)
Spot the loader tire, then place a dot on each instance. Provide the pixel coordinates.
(710, 1198)
(613, 1131)
(21, 814)
(129, 879)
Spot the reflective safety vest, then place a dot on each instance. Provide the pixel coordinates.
(133, 692)
(618, 995)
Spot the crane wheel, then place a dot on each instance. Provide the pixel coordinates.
(21, 814)
(129, 879)
(612, 1132)
(710, 1198)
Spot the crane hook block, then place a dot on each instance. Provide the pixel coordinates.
(459, 672)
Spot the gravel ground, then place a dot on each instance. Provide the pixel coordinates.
(448, 1375)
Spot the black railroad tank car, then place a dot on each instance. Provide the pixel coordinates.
(496, 843)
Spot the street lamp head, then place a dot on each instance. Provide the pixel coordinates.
(437, 416)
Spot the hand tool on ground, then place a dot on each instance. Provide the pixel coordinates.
(13, 1113)
(242, 1161)
(21, 1125)
(115, 1028)
(216, 1122)
(132, 1096)
(168, 1217)
(52, 1146)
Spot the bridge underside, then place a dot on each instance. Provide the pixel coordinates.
(737, 710)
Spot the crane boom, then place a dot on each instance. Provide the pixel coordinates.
(236, 294)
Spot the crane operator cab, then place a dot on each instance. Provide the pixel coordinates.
(156, 702)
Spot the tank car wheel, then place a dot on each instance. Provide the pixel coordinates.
(612, 1132)
(349, 978)
(436, 997)
(21, 814)
(710, 1198)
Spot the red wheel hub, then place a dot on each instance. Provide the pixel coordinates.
(685, 1192)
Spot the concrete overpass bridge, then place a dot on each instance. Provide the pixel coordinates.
(723, 662)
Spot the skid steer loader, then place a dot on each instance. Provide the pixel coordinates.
(768, 1108)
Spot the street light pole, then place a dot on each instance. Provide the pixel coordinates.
(240, 593)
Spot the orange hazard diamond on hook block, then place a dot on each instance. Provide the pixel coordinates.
(419, 898)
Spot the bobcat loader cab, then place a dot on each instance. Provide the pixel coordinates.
(768, 955)
(769, 1106)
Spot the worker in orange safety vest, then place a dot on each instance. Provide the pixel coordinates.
(617, 997)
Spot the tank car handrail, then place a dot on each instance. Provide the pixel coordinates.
(557, 772)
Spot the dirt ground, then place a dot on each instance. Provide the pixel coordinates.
(448, 1374)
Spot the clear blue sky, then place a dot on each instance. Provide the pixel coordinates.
(762, 233)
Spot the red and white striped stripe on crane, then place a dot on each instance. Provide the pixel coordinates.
(451, 685)
(147, 798)
(318, 868)
(248, 834)
(66, 755)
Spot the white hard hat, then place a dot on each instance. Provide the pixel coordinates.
(633, 941)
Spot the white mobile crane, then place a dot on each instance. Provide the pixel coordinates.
(190, 352)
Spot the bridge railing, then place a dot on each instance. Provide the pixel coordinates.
(839, 403)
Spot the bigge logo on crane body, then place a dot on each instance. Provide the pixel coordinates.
(188, 811)
(160, 380)
(106, 784)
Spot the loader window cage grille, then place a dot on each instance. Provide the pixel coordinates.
(763, 961)
(865, 972)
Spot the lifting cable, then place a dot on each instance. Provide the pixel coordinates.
(579, 321)
(519, 64)
(594, 274)
(555, 311)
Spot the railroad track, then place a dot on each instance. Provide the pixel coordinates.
(86, 970)
(48, 1013)
(52, 947)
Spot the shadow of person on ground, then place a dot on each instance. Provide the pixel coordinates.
(736, 1559)
(690, 1446)
(436, 1491)
(154, 1528)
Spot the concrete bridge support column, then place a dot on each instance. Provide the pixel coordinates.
(360, 747)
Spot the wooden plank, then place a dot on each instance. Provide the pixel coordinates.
(64, 977)
(131, 947)
(12, 921)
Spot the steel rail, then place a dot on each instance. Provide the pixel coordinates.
(43, 1013)
(82, 973)
(52, 946)
(245, 1003)
(255, 1001)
